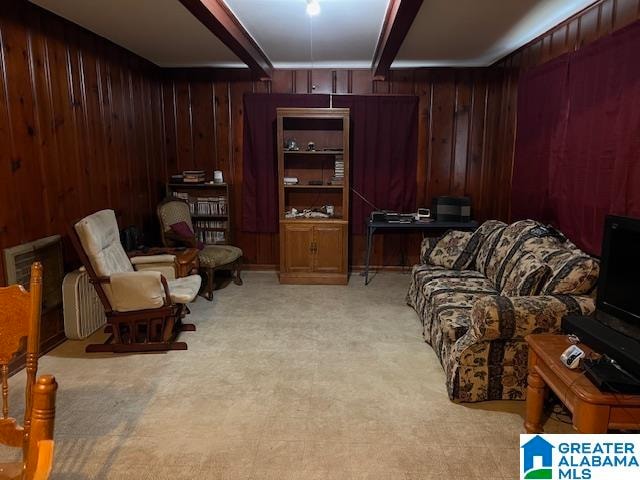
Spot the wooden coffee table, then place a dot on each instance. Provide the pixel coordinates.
(593, 411)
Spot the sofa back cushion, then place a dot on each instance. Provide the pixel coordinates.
(484, 239)
(525, 276)
(449, 251)
(508, 248)
(572, 272)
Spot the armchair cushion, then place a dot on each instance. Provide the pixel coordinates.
(100, 239)
(525, 277)
(184, 289)
(132, 291)
(217, 255)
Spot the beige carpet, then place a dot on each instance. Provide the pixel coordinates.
(279, 382)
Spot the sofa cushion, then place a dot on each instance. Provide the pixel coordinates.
(489, 243)
(572, 272)
(449, 250)
(422, 274)
(443, 294)
(526, 276)
(218, 255)
(509, 246)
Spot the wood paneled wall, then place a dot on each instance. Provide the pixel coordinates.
(86, 125)
(599, 19)
(458, 107)
(80, 127)
(80, 130)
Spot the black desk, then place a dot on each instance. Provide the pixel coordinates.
(435, 227)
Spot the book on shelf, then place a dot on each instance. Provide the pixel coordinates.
(211, 237)
(204, 205)
(193, 176)
(339, 167)
(210, 224)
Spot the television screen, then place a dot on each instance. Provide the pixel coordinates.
(619, 286)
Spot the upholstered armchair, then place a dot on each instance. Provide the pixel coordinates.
(143, 300)
(176, 228)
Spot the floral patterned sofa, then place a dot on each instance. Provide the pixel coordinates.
(479, 294)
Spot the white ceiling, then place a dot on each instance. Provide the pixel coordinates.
(345, 33)
(478, 32)
(162, 31)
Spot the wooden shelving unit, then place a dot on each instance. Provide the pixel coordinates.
(209, 205)
(313, 250)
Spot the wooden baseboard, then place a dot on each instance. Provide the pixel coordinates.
(352, 268)
(258, 266)
(382, 268)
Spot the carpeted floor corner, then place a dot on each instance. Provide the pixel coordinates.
(279, 382)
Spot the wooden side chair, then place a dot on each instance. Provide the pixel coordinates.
(19, 319)
(173, 212)
(144, 303)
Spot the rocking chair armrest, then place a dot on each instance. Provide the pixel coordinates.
(147, 259)
(167, 294)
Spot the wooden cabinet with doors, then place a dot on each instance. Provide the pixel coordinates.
(313, 166)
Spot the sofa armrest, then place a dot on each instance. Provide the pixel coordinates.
(497, 317)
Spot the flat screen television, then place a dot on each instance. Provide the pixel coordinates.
(614, 329)
(618, 298)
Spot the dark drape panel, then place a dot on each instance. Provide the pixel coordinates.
(260, 168)
(384, 143)
(594, 162)
(542, 113)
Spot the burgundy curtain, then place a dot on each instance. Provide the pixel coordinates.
(593, 165)
(542, 112)
(384, 143)
(260, 167)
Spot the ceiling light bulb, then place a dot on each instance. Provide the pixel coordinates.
(313, 8)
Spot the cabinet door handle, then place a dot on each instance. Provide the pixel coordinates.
(313, 248)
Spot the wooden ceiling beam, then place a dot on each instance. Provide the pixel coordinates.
(398, 19)
(220, 20)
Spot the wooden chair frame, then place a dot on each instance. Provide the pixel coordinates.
(35, 436)
(150, 330)
(209, 272)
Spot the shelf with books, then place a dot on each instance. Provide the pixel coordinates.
(313, 194)
(209, 207)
